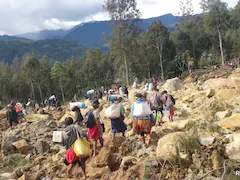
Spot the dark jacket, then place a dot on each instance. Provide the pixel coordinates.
(12, 115)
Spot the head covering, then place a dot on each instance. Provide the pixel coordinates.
(139, 95)
(95, 103)
(12, 102)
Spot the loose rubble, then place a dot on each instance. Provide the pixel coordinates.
(201, 142)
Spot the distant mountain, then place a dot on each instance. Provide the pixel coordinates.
(45, 34)
(8, 38)
(56, 50)
(91, 34)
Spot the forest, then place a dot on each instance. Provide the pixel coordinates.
(211, 38)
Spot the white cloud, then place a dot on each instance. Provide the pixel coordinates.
(20, 16)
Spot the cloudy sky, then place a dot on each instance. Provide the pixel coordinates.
(21, 16)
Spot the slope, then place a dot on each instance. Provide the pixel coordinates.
(60, 50)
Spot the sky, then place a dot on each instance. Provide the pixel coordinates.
(21, 16)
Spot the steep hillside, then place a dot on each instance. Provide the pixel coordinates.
(60, 50)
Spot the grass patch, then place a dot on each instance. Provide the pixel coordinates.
(13, 161)
(203, 126)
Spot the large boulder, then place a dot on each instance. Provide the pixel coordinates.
(174, 84)
(7, 145)
(231, 122)
(226, 94)
(217, 83)
(132, 93)
(41, 147)
(166, 147)
(192, 97)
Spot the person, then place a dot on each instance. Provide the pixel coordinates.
(70, 134)
(95, 130)
(126, 91)
(78, 116)
(118, 125)
(154, 81)
(30, 104)
(12, 115)
(142, 125)
(156, 103)
(12, 103)
(99, 94)
(168, 102)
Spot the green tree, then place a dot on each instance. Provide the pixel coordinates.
(122, 12)
(59, 76)
(216, 17)
(158, 36)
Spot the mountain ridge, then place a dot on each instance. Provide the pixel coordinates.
(90, 34)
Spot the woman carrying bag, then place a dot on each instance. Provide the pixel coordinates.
(72, 135)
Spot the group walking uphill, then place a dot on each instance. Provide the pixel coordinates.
(83, 133)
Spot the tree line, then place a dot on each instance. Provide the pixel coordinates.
(197, 40)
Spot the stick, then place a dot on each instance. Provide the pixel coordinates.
(162, 169)
(208, 173)
(224, 167)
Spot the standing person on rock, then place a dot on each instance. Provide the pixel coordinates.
(168, 102)
(117, 124)
(12, 115)
(70, 135)
(142, 124)
(94, 126)
(156, 103)
(78, 116)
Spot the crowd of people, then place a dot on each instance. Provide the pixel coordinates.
(146, 112)
(158, 103)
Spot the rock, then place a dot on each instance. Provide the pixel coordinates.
(128, 160)
(41, 147)
(226, 94)
(222, 114)
(236, 82)
(132, 93)
(37, 117)
(3, 114)
(233, 147)
(129, 133)
(57, 157)
(206, 141)
(193, 96)
(23, 177)
(129, 120)
(210, 93)
(7, 145)
(22, 146)
(66, 115)
(216, 160)
(217, 83)
(166, 147)
(40, 111)
(230, 122)
(174, 84)
(175, 125)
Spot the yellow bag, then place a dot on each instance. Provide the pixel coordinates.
(81, 148)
